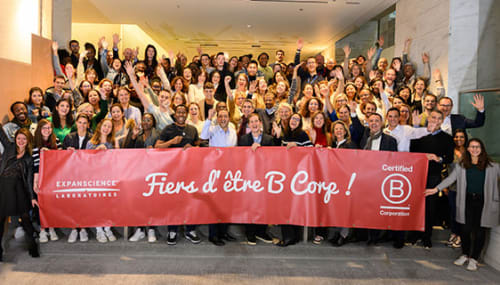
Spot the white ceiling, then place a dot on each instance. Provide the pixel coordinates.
(236, 26)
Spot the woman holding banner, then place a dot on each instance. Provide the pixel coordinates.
(293, 136)
(16, 178)
(478, 203)
(103, 138)
(45, 139)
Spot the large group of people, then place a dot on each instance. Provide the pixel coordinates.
(103, 100)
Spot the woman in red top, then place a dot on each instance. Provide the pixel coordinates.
(319, 131)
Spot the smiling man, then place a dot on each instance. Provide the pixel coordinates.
(179, 134)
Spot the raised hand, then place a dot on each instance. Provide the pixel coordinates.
(347, 51)
(211, 113)
(300, 44)
(136, 52)
(353, 106)
(83, 54)
(116, 40)
(406, 45)
(104, 44)
(397, 65)
(437, 75)
(227, 79)
(371, 52)
(99, 43)
(55, 47)
(129, 69)
(478, 102)
(276, 129)
(381, 41)
(198, 49)
(425, 57)
(415, 117)
(252, 87)
(372, 74)
(339, 74)
(70, 71)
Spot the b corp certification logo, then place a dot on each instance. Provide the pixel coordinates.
(396, 189)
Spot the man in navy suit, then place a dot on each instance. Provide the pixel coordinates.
(457, 121)
(255, 139)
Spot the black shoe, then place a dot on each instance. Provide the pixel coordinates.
(264, 237)
(398, 244)
(228, 237)
(34, 251)
(285, 243)
(341, 241)
(216, 241)
(335, 239)
(1, 254)
(427, 244)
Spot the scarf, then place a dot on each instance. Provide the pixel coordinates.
(370, 140)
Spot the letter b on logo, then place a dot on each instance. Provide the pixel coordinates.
(396, 188)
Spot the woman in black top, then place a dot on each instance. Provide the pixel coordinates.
(16, 178)
(293, 136)
(45, 139)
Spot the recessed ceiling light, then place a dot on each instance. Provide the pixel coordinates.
(249, 26)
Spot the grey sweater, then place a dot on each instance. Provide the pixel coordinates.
(491, 209)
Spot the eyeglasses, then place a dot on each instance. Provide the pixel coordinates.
(295, 119)
(47, 128)
(445, 106)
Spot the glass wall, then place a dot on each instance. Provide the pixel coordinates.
(490, 132)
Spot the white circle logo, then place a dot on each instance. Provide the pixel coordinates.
(396, 188)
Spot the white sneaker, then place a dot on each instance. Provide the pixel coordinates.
(151, 235)
(43, 238)
(19, 233)
(84, 237)
(109, 234)
(472, 266)
(461, 260)
(101, 236)
(53, 235)
(138, 235)
(73, 236)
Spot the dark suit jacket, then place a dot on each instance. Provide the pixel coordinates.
(461, 122)
(387, 142)
(71, 140)
(247, 140)
(267, 120)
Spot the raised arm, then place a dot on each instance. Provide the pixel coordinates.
(379, 51)
(104, 60)
(163, 77)
(347, 53)
(55, 59)
(427, 66)
(293, 87)
(140, 92)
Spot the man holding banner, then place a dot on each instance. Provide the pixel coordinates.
(256, 138)
(439, 147)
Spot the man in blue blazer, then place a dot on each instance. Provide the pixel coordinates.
(457, 121)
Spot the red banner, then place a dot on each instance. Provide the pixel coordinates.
(300, 186)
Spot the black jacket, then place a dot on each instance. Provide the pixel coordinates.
(27, 167)
(387, 142)
(72, 140)
(461, 122)
(247, 140)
